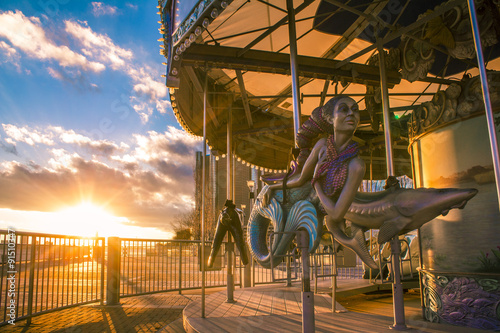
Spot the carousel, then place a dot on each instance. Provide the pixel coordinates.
(248, 77)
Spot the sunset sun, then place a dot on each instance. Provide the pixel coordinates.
(89, 219)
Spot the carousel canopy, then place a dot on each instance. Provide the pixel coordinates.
(240, 49)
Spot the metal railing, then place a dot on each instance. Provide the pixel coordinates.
(43, 272)
(151, 266)
(40, 273)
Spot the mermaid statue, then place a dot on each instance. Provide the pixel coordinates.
(322, 189)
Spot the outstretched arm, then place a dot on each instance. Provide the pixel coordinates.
(337, 210)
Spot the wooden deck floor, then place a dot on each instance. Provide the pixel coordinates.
(278, 309)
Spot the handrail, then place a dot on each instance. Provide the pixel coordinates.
(333, 270)
(41, 272)
(286, 255)
(59, 271)
(40, 234)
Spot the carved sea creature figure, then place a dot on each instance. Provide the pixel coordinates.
(393, 211)
(229, 221)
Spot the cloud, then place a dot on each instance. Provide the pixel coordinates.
(97, 51)
(10, 55)
(53, 135)
(73, 77)
(27, 34)
(174, 145)
(99, 46)
(144, 197)
(132, 6)
(99, 147)
(100, 9)
(10, 148)
(163, 106)
(148, 180)
(146, 89)
(28, 135)
(146, 84)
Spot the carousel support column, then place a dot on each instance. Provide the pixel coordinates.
(397, 285)
(229, 195)
(308, 322)
(385, 107)
(486, 95)
(420, 254)
(371, 190)
(292, 36)
(203, 201)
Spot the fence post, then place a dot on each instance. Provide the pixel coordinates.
(32, 279)
(180, 268)
(102, 257)
(113, 275)
(289, 270)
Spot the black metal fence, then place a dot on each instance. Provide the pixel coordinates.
(150, 266)
(41, 272)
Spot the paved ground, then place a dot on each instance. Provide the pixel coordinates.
(135, 314)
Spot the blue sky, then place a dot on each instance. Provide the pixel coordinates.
(86, 119)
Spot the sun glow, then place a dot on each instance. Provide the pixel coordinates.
(86, 219)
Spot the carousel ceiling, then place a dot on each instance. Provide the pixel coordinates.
(240, 50)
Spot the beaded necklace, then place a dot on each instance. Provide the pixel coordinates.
(336, 167)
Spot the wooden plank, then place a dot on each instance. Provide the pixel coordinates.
(324, 321)
(321, 303)
(235, 309)
(245, 300)
(214, 303)
(252, 305)
(279, 307)
(292, 306)
(265, 304)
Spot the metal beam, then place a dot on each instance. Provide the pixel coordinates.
(271, 5)
(397, 33)
(281, 22)
(263, 130)
(199, 89)
(367, 15)
(280, 139)
(203, 201)
(354, 30)
(382, 159)
(327, 54)
(323, 93)
(385, 106)
(279, 63)
(292, 40)
(252, 139)
(438, 80)
(486, 95)
(229, 196)
(244, 97)
(332, 95)
(261, 126)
